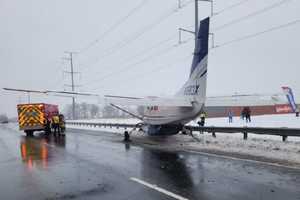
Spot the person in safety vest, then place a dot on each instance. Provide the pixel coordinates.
(55, 124)
(202, 119)
(62, 123)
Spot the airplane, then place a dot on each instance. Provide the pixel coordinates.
(168, 116)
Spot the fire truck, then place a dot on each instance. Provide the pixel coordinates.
(34, 117)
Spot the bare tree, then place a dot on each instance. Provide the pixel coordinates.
(94, 111)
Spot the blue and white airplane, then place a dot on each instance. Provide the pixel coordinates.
(167, 116)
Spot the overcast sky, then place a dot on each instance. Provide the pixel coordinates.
(130, 47)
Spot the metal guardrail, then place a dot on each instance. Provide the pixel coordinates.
(104, 125)
(283, 132)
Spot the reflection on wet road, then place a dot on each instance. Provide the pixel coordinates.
(35, 151)
(90, 165)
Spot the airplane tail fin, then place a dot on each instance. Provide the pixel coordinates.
(201, 48)
(195, 87)
(290, 96)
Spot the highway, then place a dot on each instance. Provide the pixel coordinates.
(99, 165)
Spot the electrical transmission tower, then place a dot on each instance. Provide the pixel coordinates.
(197, 20)
(71, 73)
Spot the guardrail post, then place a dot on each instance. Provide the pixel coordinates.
(284, 138)
(245, 135)
(214, 134)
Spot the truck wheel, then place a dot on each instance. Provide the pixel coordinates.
(47, 131)
(29, 133)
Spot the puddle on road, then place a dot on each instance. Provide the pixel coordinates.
(100, 189)
(36, 152)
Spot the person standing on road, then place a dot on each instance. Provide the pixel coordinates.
(202, 119)
(55, 125)
(230, 116)
(62, 123)
(47, 126)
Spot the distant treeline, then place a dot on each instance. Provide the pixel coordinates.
(93, 111)
(3, 118)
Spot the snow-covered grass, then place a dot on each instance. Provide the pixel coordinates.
(266, 146)
(282, 120)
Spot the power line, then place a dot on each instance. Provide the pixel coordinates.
(114, 26)
(247, 37)
(259, 33)
(146, 50)
(159, 68)
(230, 7)
(128, 67)
(139, 33)
(268, 8)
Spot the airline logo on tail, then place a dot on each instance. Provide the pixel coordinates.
(290, 96)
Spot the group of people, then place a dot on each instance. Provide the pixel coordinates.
(56, 125)
(245, 114)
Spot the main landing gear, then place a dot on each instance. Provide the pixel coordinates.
(127, 133)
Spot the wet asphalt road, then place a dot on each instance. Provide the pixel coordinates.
(98, 165)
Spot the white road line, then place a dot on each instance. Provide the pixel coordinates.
(155, 187)
(243, 159)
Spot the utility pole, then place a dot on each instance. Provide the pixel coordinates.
(196, 12)
(197, 22)
(179, 4)
(71, 53)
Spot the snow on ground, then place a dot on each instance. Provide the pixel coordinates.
(270, 147)
(283, 120)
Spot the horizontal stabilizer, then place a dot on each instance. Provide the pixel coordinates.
(148, 101)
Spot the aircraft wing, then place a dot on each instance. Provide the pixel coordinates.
(148, 101)
(245, 100)
(70, 93)
(25, 90)
(52, 92)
